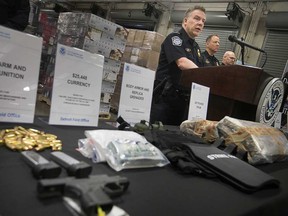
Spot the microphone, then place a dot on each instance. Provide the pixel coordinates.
(242, 43)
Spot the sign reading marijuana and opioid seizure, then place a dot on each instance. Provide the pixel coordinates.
(19, 71)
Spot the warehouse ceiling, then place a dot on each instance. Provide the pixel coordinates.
(167, 1)
(164, 2)
(124, 12)
(168, 4)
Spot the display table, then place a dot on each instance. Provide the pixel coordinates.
(152, 192)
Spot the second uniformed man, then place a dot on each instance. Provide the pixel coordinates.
(212, 46)
(179, 52)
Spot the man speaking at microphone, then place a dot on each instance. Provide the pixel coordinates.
(179, 52)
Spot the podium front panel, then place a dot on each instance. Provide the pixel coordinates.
(234, 90)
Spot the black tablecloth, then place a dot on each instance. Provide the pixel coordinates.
(153, 191)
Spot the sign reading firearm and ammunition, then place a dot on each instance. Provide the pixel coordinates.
(19, 71)
(76, 87)
(136, 93)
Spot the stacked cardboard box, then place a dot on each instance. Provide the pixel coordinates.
(96, 35)
(143, 49)
(47, 29)
(92, 33)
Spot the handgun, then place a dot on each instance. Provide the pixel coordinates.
(92, 192)
(167, 88)
(159, 87)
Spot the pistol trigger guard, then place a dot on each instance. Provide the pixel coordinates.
(113, 189)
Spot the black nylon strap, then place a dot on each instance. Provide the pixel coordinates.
(242, 154)
(230, 149)
(218, 142)
(183, 162)
(189, 167)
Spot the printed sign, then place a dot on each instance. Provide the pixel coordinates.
(19, 71)
(198, 102)
(136, 93)
(76, 87)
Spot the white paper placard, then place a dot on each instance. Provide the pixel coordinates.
(76, 87)
(198, 102)
(136, 93)
(20, 55)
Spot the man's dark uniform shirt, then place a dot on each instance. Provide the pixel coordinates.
(14, 13)
(175, 46)
(170, 103)
(209, 60)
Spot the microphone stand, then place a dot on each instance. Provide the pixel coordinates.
(242, 53)
(243, 44)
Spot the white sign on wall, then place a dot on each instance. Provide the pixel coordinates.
(20, 55)
(76, 87)
(136, 93)
(198, 102)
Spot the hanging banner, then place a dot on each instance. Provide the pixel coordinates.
(198, 102)
(76, 87)
(20, 55)
(136, 93)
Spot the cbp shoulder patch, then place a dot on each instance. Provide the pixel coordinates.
(176, 41)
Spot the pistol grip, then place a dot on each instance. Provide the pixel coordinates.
(94, 198)
(50, 187)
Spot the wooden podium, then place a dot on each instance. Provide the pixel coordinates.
(234, 90)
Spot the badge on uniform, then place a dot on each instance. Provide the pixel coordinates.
(199, 53)
(207, 61)
(176, 41)
(188, 49)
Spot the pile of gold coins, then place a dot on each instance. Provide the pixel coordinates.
(20, 139)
